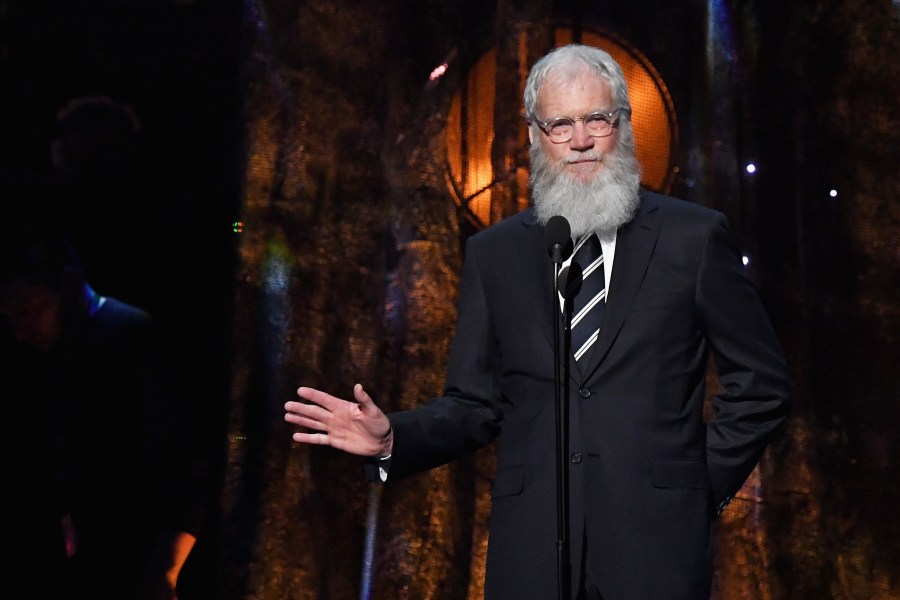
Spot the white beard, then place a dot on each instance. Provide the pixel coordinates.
(600, 205)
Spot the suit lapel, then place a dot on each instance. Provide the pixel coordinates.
(634, 247)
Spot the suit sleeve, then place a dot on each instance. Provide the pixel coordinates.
(467, 416)
(757, 388)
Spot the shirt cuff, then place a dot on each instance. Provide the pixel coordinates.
(384, 463)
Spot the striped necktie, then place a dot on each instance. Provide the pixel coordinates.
(589, 303)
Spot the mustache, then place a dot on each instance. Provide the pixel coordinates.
(587, 156)
(544, 167)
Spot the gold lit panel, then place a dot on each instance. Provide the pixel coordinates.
(469, 151)
(652, 114)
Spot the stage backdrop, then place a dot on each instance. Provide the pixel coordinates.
(350, 252)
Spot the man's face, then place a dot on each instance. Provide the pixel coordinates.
(582, 156)
(590, 181)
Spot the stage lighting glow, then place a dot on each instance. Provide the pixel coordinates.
(438, 71)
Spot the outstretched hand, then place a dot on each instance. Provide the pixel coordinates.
(357, 427)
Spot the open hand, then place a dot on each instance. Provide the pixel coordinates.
(357, 427)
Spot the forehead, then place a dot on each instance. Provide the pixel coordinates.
(574, 94)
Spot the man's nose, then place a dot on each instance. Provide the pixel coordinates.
(581, 139)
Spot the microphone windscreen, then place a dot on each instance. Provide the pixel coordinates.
(569, 281)
(559, 241)
(557, 231)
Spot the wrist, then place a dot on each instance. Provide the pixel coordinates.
(387, 444)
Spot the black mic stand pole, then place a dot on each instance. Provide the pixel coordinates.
(562, 518)
(569, 284)
(560, 248)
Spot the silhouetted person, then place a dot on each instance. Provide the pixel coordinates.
(96, 138)
(115, 198)
(109, 491)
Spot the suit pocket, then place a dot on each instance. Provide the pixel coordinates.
(509, 481)
(679, 474)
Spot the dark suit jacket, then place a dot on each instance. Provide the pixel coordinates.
(646, 472)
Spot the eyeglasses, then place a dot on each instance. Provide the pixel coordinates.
(597, 124)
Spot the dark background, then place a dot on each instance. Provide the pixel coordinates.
(156, 230)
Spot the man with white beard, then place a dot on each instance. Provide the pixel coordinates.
(644, 476)
(599, 204)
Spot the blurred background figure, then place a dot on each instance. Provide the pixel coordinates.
(109, 488)
(96, 138)
(111, 207)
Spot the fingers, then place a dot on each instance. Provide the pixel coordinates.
(305, 422)
(314, 413)
(327, 401)
(319, 413)
(319, 439)
(311, 412)
(310, 417)
(319, 397)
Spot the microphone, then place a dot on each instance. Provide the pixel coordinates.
(559, 238)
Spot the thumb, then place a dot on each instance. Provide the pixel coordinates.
(366, 404)
(376, 419)
(368, 408)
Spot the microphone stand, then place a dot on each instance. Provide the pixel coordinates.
(568, 284)
(560, 248)
(562, 545)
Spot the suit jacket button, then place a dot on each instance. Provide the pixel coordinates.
(576, 457)
(584, 393)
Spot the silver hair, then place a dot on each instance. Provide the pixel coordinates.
(567, 62)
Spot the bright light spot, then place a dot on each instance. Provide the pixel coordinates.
(237, 226)
(751, 168)
(745, 259)
(833, 193)
(438, 72)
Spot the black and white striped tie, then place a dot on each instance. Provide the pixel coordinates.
(588, 306)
